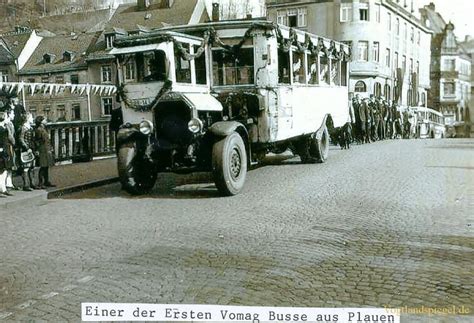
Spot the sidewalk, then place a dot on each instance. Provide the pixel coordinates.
(66, 178)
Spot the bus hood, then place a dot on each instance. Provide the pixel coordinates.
(198, 101)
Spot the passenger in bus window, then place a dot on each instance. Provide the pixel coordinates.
(313, 70)
(298, 68)
(323, 71)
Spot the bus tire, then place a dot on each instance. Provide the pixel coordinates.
(320, 149)
(312, 149)
(134, 174)
(229, 164)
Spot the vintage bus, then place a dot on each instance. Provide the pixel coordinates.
(430, 123)
(218, 96)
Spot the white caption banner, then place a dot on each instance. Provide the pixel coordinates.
(222, 313)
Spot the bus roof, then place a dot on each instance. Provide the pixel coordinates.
(242, 25)
(423, 109)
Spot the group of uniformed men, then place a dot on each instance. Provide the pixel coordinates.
(377, 119)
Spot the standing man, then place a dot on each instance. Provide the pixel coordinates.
(365, 120)
(4, 153)
(357, 123)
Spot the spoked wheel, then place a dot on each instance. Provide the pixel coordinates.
(229, 164)
(136, 175)
(313, 149)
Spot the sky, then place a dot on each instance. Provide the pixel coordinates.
(460, 12)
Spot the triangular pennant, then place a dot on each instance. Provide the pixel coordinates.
(102, 89)
(32, 88)
(20, 87)
(96, 89)
(88, 89)
(12, 87)
(73, 88)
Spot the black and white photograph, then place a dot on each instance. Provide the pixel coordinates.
(236, 160)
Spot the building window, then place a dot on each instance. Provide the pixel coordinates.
(302, 13)
(386, 91)
(405, 31)
(450, 65)
(60, 79)
(109, 40)
(395, 60)
(387, 57)
(130, 70)
(389, 21)
(74, 79)
(363, 49)
(404, 63)
(44, 79)
(449, 88)
(411, 65)
(106, 72)
(31, 80)
(423, 98)
(417, 68)
(32, 110)
(412, 34)
(397, 26)
(106, 106)
(377, 13)
(418, 39)
(360, 87)
(61, 113)
(376, 51)
(293, 17)
(3, 76)
(346, 12)
(364, 14)
(281, 17)
(377, 89)
(76, 112)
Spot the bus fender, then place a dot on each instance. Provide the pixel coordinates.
(127, 133)
(319, 132)
(225, 128)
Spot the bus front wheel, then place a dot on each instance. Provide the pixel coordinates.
(229, 164)
(134, 173)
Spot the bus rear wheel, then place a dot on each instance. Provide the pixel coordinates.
(312, 149)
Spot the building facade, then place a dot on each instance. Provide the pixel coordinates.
(450, 70)
(468, 45)
(390, 45)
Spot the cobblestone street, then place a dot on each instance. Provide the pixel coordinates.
(382, 224)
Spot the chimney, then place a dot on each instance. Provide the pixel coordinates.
(215, 11)
(143, 4)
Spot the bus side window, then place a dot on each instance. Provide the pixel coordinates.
(200, 65)
(298, 68)
(283, 67)
(312, 69)
(323, 70)
(344, 75)
(335, 72)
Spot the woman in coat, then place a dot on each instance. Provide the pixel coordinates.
(26, 144)
(45, 156)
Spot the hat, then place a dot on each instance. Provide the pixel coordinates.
(38, 120)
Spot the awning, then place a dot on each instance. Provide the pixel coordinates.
(135, 49)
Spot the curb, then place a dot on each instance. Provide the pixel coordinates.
(58, 193)
(29, 200)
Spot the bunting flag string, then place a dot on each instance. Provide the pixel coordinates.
(13, 88)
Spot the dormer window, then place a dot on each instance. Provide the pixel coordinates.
(109, 40)
(48, 58)
(68, 56)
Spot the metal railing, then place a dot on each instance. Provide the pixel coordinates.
(80, 141)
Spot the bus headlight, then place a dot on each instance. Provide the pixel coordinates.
(146, 127)
(195, 125)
